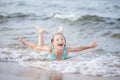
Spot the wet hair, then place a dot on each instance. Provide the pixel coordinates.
(52, 39)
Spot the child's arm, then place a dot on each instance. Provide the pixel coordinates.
(35, 46)
(40, 46)
(80, 48)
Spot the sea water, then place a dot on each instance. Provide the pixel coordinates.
(83, 21)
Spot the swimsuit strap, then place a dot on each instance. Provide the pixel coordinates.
(53, 54)
(63, 56)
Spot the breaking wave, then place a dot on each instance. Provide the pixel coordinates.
(89, 64)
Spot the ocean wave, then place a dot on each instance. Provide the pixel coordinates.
(99, 65)
(116, 35)
(118, 19)
(30, 16)
(15, 15)
(107, 33)
(117, 6)
(76, 18)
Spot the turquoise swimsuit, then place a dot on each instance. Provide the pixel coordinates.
(53, 57)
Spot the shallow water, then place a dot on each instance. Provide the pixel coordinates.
(83, 21)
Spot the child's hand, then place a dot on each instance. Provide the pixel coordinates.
(93, 44)
(21, 40)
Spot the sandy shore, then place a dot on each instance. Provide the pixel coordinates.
(13, 71)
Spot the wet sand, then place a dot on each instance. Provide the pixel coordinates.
(13, 71)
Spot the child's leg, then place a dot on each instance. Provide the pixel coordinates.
(60, 30)
(40, 38)
(27, 43)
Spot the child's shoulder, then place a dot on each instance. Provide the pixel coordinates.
(50, 48)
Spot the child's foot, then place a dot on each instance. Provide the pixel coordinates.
(60, 29)
(40, 30)
(21, 40)
(93, 44)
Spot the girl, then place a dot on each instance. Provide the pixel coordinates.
(58, 50)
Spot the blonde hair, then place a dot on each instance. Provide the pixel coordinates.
(52, 39)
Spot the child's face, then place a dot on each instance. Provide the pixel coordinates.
(59, 41)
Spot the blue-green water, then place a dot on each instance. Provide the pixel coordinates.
(83, 21)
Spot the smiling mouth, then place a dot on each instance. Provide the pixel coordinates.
(60, 44)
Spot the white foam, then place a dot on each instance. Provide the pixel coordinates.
(102, 65)
(70, 17)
